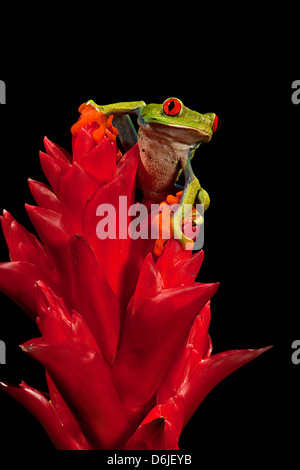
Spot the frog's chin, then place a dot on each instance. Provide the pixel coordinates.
(186, 135)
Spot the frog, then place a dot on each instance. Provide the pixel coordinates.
(168, 136)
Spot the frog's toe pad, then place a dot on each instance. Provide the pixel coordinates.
(178, 234)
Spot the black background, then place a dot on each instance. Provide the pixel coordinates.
(251, 228)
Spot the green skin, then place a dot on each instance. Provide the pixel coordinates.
(167, 145)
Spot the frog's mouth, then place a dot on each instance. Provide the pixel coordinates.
(176, 133)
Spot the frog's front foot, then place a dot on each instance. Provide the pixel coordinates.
(186, 211)
(176, 223)
(189, 211)
(181, 223)
(170, 221)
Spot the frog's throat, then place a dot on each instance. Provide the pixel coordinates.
(174, 134)
(161, 161)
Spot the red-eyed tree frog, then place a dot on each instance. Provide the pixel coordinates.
(168, 137)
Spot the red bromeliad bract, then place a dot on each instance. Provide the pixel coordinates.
(125, 340)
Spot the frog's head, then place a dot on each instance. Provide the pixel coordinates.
(174, 119)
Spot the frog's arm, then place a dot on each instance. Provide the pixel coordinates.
(127, 132)
(127, 107)
(122, 121)
(192, 191)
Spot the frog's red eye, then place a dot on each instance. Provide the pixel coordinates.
(216, 124)
(172, 107)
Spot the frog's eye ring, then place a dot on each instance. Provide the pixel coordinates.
(172, 107)
(216, 124)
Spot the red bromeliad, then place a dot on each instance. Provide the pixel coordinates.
(125, 340)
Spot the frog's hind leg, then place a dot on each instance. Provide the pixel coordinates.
(190, 191)
(187, 200)
(127, 132)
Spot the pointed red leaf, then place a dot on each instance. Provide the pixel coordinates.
(199, 337)
(53, 169)
(54, 318)
(188, 356)
(76, 188)
(54, 233)
(83, 142)
(185, 271)
(57, 152)
(152, 336)
(209, 373)
(66, 416)
(57, 323)
(17, 281)
(128, 162)
(22, 245)
(37, 404)
(149, 283)
(112, 253)
(50, 225)
(81, 333)
(159, 430)
(155, 435)
(81, 376)
(44, 196)
(94, 298)
(138, 250)
(173, 252)
(100, 161)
